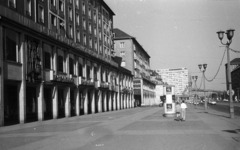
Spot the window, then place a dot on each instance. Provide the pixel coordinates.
(53, 21)
(90, 28)
(47, 60)
(122, 53)
(70, 31)
(60, 63)
(88, 72)
(95, 31)
(90, 43)
(77, 19)
(123, 64)
(83, 8)
(121, 44)
(78, 36)
(95, 45)
(89, 13)
(80, 69)
(12, 51)
(77, 3)
(71, 66)
(100, 35)
(70, 14)
(84, 24)
(84, 39)
(61, 24)
(12, 3)
(47, 56)
(53, 2)
(28, 7)
(61, 5)
(40, 14)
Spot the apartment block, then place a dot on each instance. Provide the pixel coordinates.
(178, 77)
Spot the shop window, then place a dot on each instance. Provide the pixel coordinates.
(12, 47)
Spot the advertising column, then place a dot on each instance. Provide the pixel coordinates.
(169, 105)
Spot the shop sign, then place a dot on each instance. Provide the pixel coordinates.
(63, 78)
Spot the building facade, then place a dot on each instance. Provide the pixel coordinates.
(235, 75)
(176, 76)
(56, 61)
(137, 60)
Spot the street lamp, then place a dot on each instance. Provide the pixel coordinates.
(202, 68)
(230, 34)
(195, 87)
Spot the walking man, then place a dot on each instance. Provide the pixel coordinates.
(183, 110)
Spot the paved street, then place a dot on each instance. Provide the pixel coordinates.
(131, 129)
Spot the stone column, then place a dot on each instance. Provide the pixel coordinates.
(100, 109)
(77, 103)
(1, 79)
(114, 101)
(67, 101)
(55, 102)
(118, 100)
(22, 89)
(85, 97)
(105, 101)
(93, 101)
(110, 101)
(40, 105)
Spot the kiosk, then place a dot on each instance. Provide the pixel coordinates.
(169, 105)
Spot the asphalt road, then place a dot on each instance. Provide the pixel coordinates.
(224, 107)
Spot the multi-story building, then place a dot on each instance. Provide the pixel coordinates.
(235, 74)
(55, 61)
(176, 76)
(137, 60)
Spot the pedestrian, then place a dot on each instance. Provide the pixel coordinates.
(178, 110)
(183, 110)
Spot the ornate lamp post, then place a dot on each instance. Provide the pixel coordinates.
(202, 68)
(195, 87)
(230, 34)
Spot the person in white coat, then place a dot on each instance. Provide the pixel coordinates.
(183, 110)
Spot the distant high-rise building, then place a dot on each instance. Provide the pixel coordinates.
(177, 77)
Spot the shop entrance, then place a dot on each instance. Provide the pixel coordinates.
(31, 104)
(11, 105)
(81, 102)
(48, 103)
(72, 103)
(61, 103)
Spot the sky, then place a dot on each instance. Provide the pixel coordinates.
(182, 33)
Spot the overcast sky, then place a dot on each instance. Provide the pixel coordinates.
(181, 33)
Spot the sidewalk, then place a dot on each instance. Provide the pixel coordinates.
(131, 129)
